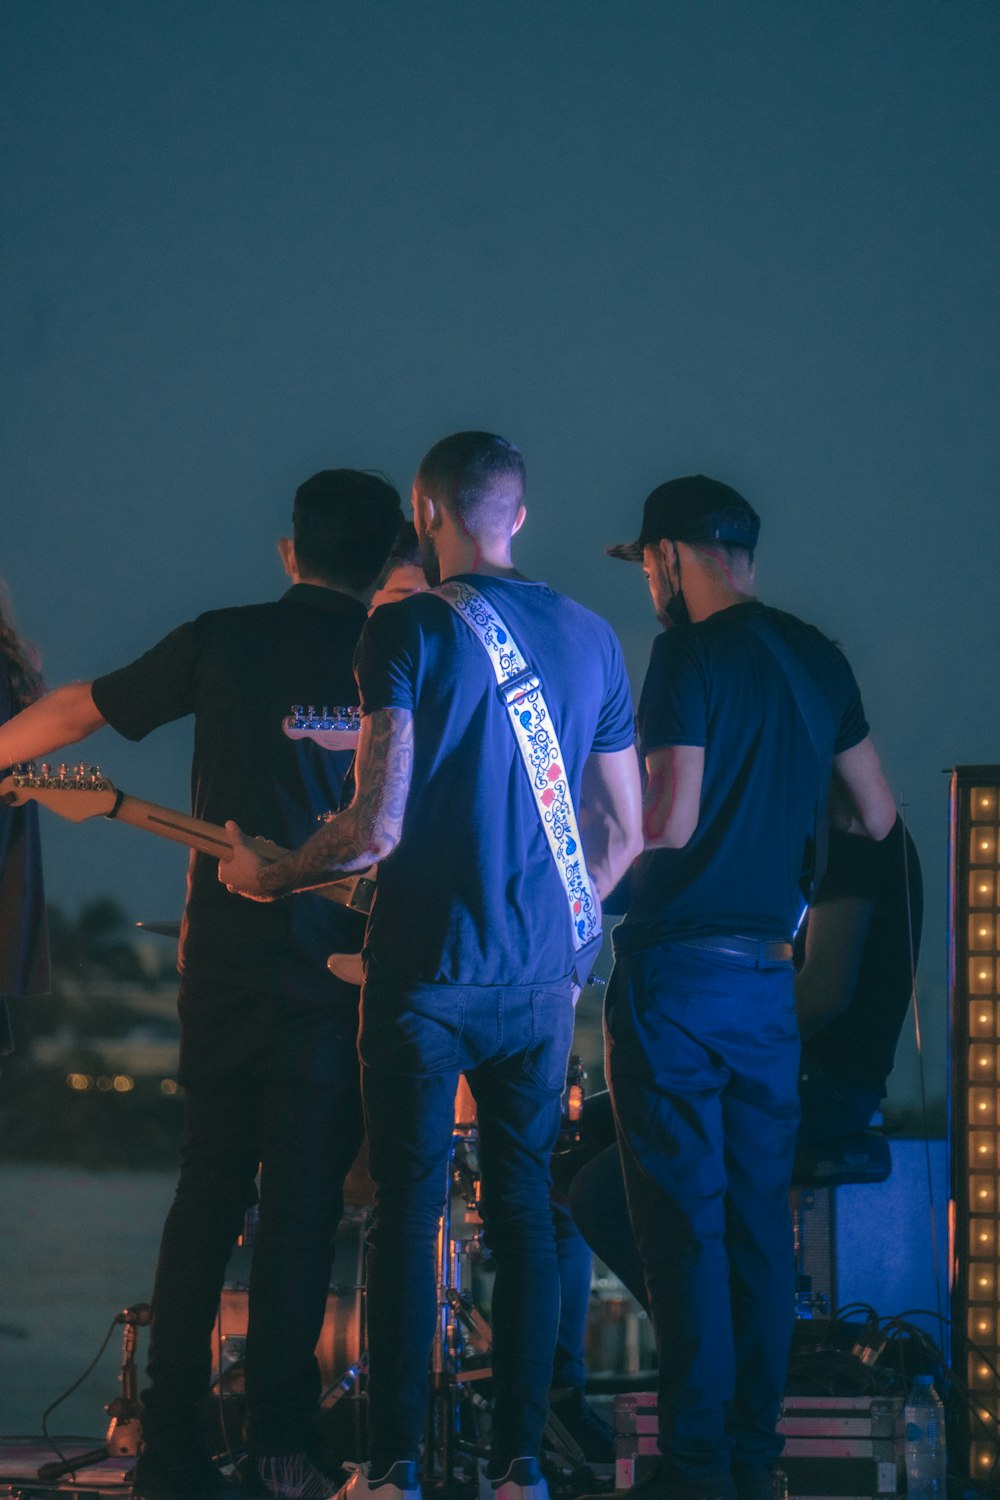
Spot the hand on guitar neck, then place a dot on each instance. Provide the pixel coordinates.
(80, 792)
(239, 870)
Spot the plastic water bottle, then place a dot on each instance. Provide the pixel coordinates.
(926, 1459)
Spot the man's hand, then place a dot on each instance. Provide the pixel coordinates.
(240, 872)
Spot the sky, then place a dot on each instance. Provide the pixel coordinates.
(248, 240)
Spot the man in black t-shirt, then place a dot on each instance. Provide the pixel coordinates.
(855, 954)
(268, 1049)
(743, 713)
(470, 949)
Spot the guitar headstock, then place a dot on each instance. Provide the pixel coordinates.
(333, 728)
(75, 792)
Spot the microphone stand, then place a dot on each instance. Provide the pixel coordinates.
(124, 1430)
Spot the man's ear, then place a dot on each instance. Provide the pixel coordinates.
(518, 520)
(286, 551)
(426, 515)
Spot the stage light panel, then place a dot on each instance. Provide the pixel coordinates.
(974, 1000)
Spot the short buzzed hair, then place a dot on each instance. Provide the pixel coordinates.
(478, 478)
(344, 523)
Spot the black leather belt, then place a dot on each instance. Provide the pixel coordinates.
(758, 951)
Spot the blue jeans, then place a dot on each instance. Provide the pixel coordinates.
(512, 1043)
(703, 1065)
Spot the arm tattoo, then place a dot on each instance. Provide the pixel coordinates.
(369, 829)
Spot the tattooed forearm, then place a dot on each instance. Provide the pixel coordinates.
(369, 829)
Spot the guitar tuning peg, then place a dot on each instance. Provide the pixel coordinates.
(63, 769)
(311, 711)
(296, 710)
(324, 712)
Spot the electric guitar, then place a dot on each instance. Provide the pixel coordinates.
(80, 792)
(333, 728)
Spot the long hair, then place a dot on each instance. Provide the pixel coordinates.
(20, 659)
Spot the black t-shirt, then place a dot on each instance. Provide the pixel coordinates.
(238, 671)
(860, 1046)
(471, 894)
(717, 684)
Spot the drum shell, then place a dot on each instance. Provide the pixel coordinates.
(341, 1340)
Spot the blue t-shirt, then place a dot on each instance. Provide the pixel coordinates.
(471, 894)
(717, 684)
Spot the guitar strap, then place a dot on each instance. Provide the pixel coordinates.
(519, 689)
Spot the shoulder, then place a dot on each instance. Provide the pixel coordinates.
(236, 617)
(550, 607)
(407, 619)
(680, 645)
(586, 619)
(800, 632)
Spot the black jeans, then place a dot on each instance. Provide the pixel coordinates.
(703, 1064)
(513, 1044)
(293, 1107)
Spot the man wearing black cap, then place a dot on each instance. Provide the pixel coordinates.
(744, 712)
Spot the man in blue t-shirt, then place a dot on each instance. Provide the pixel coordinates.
(743, 714)
(469, 956)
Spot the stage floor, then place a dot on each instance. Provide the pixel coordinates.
(22, 1457)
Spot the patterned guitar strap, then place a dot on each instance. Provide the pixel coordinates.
(520, 691)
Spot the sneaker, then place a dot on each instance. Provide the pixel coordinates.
(293, 1476)
(196, 1478)
(592, 1435)
(397, 1483)
(522, 1481)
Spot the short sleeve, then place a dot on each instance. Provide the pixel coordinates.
(852, 726)
(385, 660)
(616, 721)
(156, 688)
(673, 708)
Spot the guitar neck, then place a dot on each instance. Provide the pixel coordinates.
(179, 827)
(210, 839)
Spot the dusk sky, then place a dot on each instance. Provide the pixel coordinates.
(244, 241)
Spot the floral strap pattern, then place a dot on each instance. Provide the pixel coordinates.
(520, 691)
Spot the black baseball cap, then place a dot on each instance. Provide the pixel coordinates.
(693, 509)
